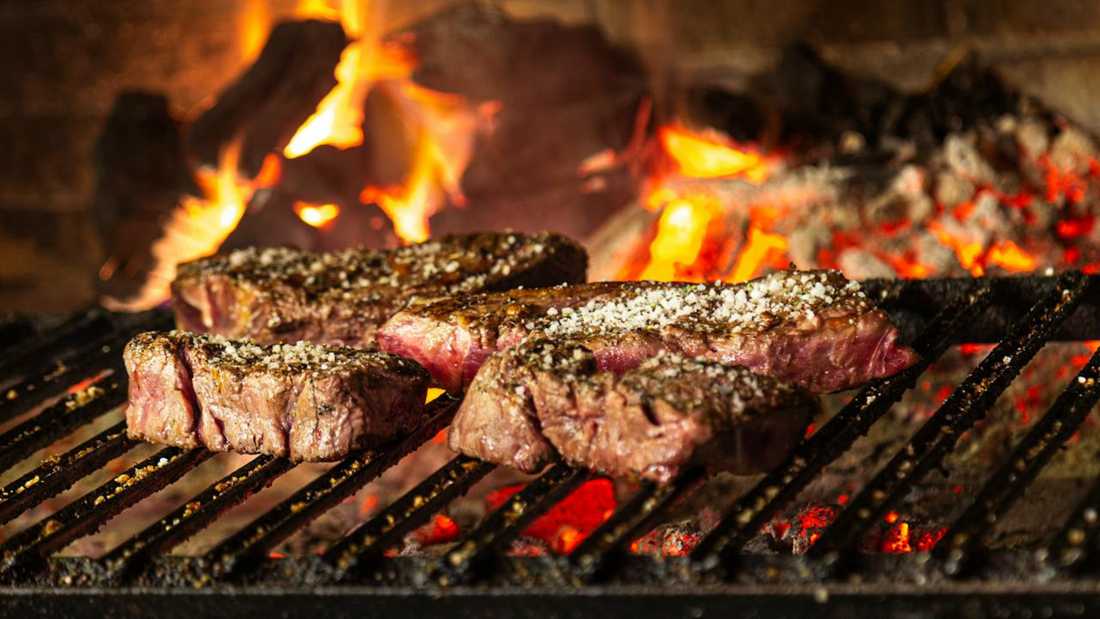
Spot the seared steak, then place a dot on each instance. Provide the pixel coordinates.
(814, 328)
(302, 401)
(543, 398)
(285, 295)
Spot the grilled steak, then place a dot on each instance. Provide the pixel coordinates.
(814, 328)
(543, 398)
(302, 401)
(284, 295)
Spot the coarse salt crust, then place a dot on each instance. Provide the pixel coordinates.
(752, 306)
(299, 358)
(454, 265)
(575, 365)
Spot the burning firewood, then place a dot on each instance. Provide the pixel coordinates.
(273, 97)
(142, 174)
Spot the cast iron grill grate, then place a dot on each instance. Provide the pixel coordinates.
(477, 574)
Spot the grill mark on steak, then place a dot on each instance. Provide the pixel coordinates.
(813, 327)
(652, 422)
(284, 295)
(303, 401)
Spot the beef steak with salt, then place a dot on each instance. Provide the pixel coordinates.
(301, 401)
(285, 295)
(814, 328)
(544, 398)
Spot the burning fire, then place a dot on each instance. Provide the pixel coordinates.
(316, 215)
(447, 126)
(708, 154)
(197, 228)
(690, 220)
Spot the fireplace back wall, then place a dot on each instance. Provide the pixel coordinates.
(63, 63)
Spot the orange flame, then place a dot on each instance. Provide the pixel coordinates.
(688, 216)
(709, 155)
(316, 215)
(410, 206)
(681, 231)
(760, 249)
(196, 228)
(339, 116)
(254, 27)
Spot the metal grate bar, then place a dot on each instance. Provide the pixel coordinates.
(90, 512)
(87, 360)
(194, 515)
(58, 473)
(14, 330)
(963, 408)
(20, 442)
(1033, 453)
(62, 375)
(596, 556)
(1078, 543)
(497, 531)
(245, 549)
(73, 333)
(386, 529)
(753, 510)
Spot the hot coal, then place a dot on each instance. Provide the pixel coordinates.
(816, 329)
(284, 295)
(542, 399)
(304, 402)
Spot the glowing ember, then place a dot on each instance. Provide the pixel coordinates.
(316, 215)
(571, 520)
(896, 540)
(440, 530)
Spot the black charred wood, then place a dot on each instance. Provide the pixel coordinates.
(270, 220)
(267, 104)
(141, 174)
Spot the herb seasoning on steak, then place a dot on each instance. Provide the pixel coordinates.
(814, 328)
(302, 401)
(285, 295)
(543, 398)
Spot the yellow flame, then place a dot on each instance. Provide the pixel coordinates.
(339, 116)
(410, 206)
(316, 215)
(196, 228)
(681, 230)
(760, 248)
(707, 155)
(255, 25)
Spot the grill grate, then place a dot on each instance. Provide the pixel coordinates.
(355, 574)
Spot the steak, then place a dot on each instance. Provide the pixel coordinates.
(285, 295)
(302, 401)
(814, 328)
(543, 399)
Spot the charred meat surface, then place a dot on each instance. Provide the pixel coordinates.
(814, 328)
(302, 401)
(652, 422)
(284, 295)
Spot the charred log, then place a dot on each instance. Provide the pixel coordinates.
(273, 97)
(142, 172)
